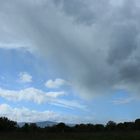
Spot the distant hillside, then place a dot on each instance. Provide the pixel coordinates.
(39, 124)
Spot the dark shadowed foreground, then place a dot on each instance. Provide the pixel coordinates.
(9, 130)
(71, 136)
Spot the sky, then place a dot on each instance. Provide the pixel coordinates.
(71, 61)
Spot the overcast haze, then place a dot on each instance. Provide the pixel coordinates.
(70, 58)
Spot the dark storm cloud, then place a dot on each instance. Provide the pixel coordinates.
(85, 12)
(130, 73)
(79, 9)
(94, 44)
(123, 43)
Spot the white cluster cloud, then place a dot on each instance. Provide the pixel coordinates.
(27, 115)
(57, 83)
(40, 97)
(25, 77)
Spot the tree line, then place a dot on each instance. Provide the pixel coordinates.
(7, 125)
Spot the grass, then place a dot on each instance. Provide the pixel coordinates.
(70, 136)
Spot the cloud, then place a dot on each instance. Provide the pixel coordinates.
(123, 101)
(28, 115)
(25, 77)
(57, 83)
(40, 97)
(14, 46)
(80, 10)
(92, 44)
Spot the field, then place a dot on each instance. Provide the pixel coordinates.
(70, 136)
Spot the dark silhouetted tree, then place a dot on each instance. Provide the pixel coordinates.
(129, 126)
(99, 127)
(61, 127)
(137, 124)
(111, 126)
(7, 125)
(33, 127)
(120, 127)
(25, 127)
